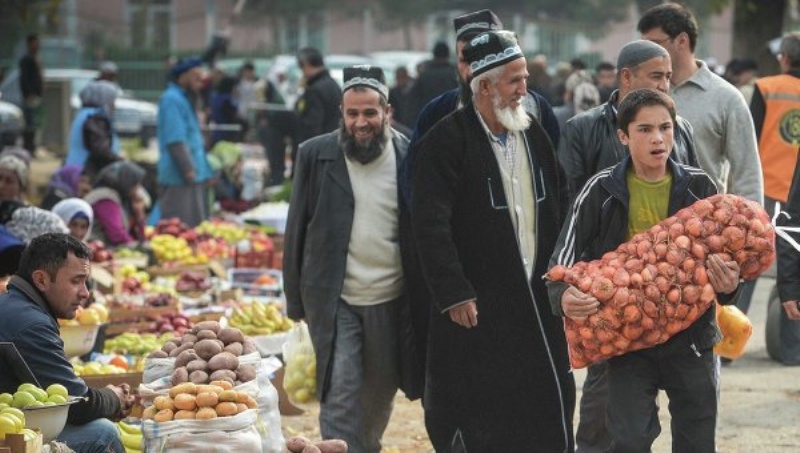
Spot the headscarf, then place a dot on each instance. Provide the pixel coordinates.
(99, 93)
(29, 222)
(70, 208)
(20, 153)
(67, 179)
(121, 176)
(16, 165)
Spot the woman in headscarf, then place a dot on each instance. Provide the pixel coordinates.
(78, 215)
(28, 222)
(116, 200)
(67, 182)
(13, 178)
(93, 142)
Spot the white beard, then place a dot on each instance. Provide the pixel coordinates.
(513, 119)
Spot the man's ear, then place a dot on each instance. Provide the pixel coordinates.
(623, 137)
(624, 78)
(41, 279)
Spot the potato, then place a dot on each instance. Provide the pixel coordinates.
(185, 402)
(185, 357)
(297, 443)
(206, 413)
(162, 402)
(187, 387)
(158, 355)
(207, 399)
(241, 408)
(247, 400)
(235, 348)
(197, 365)
(206, 349)
(223, 361)
(179, 376)
(311, 449)
(175, 352)
(246, 373)
(206, 335)
(226, 409)
(223, 375)
(248, 346)
(332, 446)
(210, 388)
(225, 385)
(228, 396)
(230, 335)
(188, 338)
(207, 325)
(149, 413)
(164, 415)
(198, 377)
(168, 347)
(184, 415)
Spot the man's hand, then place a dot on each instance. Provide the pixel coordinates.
(723, 276)
(126, 399)
(792, 308)
(465, 315)
(577, 305)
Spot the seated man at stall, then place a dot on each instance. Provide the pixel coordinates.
(50, 284)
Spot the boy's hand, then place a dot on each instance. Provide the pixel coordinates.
(723, 276)
(577, 305)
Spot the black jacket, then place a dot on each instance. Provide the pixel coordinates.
(318, 107)
(26, 321)
(589, 143)
(315, 252)
(509, 373)
(31, 82)
(438, 76)
(598, 221)
(788, 256)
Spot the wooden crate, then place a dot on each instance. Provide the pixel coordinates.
(98, 381)
(16, 443)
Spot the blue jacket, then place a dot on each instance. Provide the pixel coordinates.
(26, 321)
(78, 153)
(177, 123)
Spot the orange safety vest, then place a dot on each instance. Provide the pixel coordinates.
(780, 133)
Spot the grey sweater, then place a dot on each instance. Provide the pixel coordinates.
(724, 135)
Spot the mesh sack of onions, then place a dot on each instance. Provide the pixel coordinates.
(655, 285)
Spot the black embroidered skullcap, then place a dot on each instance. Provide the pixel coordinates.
(491, 49)
(476, 22)
(365, 76)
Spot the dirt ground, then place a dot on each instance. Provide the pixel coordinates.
(759, 407)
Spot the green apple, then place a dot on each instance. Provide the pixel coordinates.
(23, 399)
(6, 398)
(57, 389)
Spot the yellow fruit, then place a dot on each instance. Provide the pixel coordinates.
(6, 398)
(38, 393)
(29, 434)
(15, 412)
(56, 399)
(57, 389)
(7, 426)
(302, 396)
(19, 419)
(101, 310)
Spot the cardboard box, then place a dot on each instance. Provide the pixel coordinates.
(98, 381)
(16, 443)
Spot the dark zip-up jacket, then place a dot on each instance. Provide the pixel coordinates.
(598, 221)
(27, 321)
(788, 257)
(589, 143)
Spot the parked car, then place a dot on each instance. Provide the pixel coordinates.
(132, 117)
(392, 59)
(11, 123)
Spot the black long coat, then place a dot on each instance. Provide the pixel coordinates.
(315, 252)
(506, 384)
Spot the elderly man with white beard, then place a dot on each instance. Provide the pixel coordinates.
(489, 198)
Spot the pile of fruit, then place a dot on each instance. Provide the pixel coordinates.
(300, 444)
(220, 229)
(12, 421)
(176, 323)
(138, 344)
(29, 395)
(656, 285)
(131, 437)
(176, 228)
(189, 401)
(168, 248)
(134, 281)
(189, 281)
(259, 319)
(94, 368)
(128, 253)
(209, 353)
(100, 253)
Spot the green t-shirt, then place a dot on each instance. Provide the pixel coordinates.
(648, 203)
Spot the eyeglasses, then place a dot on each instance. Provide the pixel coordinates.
(662, 41)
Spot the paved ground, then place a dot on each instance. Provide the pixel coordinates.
(760, 404)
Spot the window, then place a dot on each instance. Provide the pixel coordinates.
(150, 23)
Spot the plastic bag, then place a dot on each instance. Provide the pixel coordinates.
(300, 380)
(237, 433)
